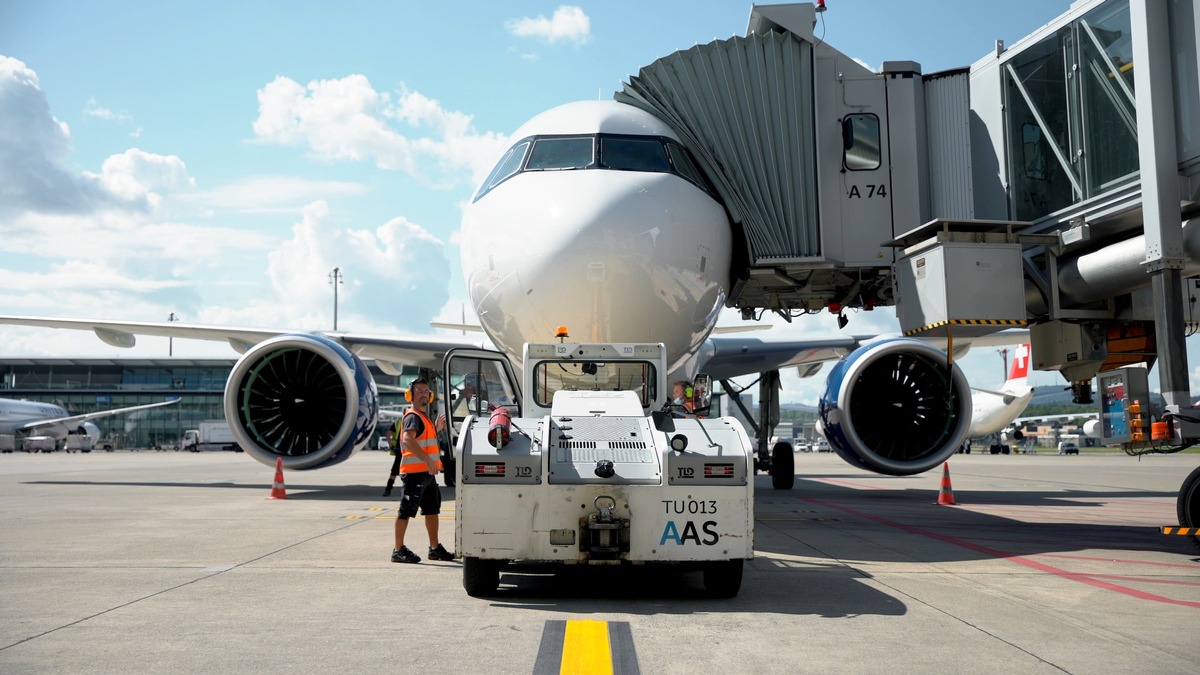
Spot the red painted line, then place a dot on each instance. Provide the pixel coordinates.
(1119, 560)
(1058, 572)
(1146, 580)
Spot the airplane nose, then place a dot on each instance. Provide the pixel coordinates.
(616, 256)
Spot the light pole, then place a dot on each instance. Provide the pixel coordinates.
(171, 340)
(335, 278)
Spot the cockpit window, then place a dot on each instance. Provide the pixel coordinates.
(653, 154)
(633, 154)
(509, 164)
(560, 153)
(686, 167)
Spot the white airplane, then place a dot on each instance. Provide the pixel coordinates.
(993, 411)
(33, 418)
(596, 219)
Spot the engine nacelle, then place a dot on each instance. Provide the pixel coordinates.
(1011, 434)
(301, 397)
(1092, 428)
(896, 407)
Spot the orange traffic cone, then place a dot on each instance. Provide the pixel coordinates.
(946, 495)
(277, 491)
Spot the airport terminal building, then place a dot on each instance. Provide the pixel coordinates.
(83, 385)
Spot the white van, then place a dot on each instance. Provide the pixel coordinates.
(1068, 448)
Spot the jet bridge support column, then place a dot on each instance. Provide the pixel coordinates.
(1165, 256)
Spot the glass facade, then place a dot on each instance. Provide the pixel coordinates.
(88, 385)
(1069, 114)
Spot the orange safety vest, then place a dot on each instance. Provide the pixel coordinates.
(410, 462)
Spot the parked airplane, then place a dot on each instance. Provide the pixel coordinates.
(992, 411)
(597, 219)
(32, 418)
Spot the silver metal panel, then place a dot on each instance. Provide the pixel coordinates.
(963, 289)
(744, 107)
(948, 133)
(989, 185)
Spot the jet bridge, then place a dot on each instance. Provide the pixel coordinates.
(1080, 143)
(818, 160)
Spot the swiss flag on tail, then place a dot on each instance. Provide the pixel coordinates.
(1019, 370)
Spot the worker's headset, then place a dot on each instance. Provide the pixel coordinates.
(408, 395)
(689, 391)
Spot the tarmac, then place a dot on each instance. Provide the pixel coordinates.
(179, 562)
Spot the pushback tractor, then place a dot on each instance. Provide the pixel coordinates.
(589, 467)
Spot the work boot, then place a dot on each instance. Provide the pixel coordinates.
(403, 555)
(387, 491)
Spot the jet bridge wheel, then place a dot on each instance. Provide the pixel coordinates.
(1188, 505)
(783, 466)
(723, 579)
(480, 577)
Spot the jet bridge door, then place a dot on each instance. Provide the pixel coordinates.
(475, 382)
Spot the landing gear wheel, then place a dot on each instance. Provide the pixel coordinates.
(480, 577)
(448, 473)
(1188, 505)
(783, 466)
(723, 579)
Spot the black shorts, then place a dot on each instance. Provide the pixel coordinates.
(420, 489)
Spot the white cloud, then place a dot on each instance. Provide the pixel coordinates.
(93, 109)
(347, 120)
(568, 24)
(139, 176)
(397, 273)
(34, 148)
(265, 194)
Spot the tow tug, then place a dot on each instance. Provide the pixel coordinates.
(585, 464)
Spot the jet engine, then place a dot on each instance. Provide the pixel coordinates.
(896, 407)
(1011, 434)
(301, 397)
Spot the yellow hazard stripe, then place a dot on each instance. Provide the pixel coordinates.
(585, 648)
(1185, 531)
(968, 322)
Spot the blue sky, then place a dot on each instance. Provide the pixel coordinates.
(216, 160)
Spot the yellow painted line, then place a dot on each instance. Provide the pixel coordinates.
(586, 649)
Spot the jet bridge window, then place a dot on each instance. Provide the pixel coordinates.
(551, 154)
(554, 376)
(1069, 108)
(860, 142)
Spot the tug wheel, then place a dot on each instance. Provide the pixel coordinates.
(723, 579)
(480, 577)
(1188, 505)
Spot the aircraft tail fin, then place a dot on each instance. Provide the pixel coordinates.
(1018, 372)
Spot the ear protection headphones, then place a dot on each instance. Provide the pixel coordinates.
(409, 397)
(688, 391)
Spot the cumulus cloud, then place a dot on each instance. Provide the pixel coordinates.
(348, 120)
(35, 149)
(397, 271)
(568, 24)
(136, 176)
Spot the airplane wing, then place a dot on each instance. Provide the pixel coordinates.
(40, 424)
(1062, 417)
(424, 351)
(734, 357)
